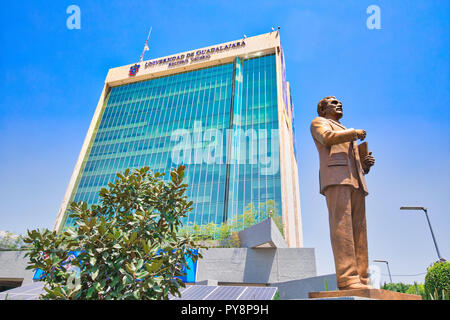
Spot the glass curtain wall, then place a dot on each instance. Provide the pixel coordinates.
(135, 131)
(139, 119)
(255, 191)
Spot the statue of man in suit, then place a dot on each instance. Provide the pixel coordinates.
(342, 183)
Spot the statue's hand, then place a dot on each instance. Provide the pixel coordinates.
(361, 134)
(369, 160)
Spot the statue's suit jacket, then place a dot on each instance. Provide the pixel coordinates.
(340, 163)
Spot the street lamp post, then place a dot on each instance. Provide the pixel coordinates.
(387, 264)
(429, 224)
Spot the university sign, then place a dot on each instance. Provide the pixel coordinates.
(190, 57)
(194, 56)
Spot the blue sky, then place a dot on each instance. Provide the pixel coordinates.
(393, 83)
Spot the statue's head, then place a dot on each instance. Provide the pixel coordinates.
(330, 107)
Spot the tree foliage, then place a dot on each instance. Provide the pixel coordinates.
(226, 233)
(437, 281)
(417, 289)
(10, 241)
(396, 287)
(129, 244)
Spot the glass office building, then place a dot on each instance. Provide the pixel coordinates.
(218, 111)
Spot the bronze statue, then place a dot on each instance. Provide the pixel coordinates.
(342, 183)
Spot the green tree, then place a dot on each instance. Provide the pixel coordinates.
(272, 212)
(437, 281)
(270, 208)
(418, 289)
(224, 231)
(210, 230)
(249, 216)
(197, 231)
(396, 287)
(10, 241)
(225, 234)
(129, 244)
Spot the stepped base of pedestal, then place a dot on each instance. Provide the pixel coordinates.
(378, 294)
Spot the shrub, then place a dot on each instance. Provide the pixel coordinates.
(276, 295)
(10, 241)
(226, 233)
(396, 287)
(127, 246)
(437, 281)
(418, 289)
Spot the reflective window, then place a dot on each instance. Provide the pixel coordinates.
(137, 129)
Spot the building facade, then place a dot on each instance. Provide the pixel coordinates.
(224, 111)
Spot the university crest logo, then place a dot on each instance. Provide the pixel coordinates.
(133, 70)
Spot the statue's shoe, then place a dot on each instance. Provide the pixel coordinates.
(354, 286)
(366, 282)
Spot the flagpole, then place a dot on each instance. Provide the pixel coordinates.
(146, 45)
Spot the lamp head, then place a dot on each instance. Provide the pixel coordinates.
(413, 208)
(384, 261)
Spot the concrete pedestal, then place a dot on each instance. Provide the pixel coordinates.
(256, 266)
(376, 294)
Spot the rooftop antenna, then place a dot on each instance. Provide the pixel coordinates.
(146, 45)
